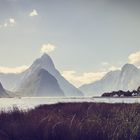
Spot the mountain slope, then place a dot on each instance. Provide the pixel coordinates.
(3, 92)
(128, 78)
(46, 63)
(10, 80)
(41, 83)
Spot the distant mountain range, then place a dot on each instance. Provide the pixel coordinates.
(40, 79)
(43, 79)
(128, 78)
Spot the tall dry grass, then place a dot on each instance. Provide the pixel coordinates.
(72, 121)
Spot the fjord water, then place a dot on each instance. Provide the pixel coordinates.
(26, 103)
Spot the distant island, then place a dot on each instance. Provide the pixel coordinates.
(121, 93)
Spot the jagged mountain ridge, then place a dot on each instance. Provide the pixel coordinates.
(128, 78)
(45, 62)
(15, 82)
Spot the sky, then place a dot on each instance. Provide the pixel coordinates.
(85, 38)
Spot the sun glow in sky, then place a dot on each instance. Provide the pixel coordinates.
(92, 37)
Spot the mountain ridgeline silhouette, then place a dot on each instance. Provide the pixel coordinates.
(128, 78)
(40, 79)
(43, 79)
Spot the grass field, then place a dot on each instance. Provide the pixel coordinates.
(72, 121)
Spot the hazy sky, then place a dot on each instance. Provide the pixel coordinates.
(87, 37)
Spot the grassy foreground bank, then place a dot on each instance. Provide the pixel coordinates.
(72, 121)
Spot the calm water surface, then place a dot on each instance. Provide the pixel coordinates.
(31, 102)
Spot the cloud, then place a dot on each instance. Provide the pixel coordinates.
(84, 78)
(12, 21)
(13, 70)
(8, 23)
(33, 13)
(134, 58)
(88, 77)
(105, 64)
(109, 67)
(47, 48)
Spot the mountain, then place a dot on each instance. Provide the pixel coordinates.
(10, 80)
(45, 62)
(3, 92)
(41, 83)
(16, 82)
(128, 78)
